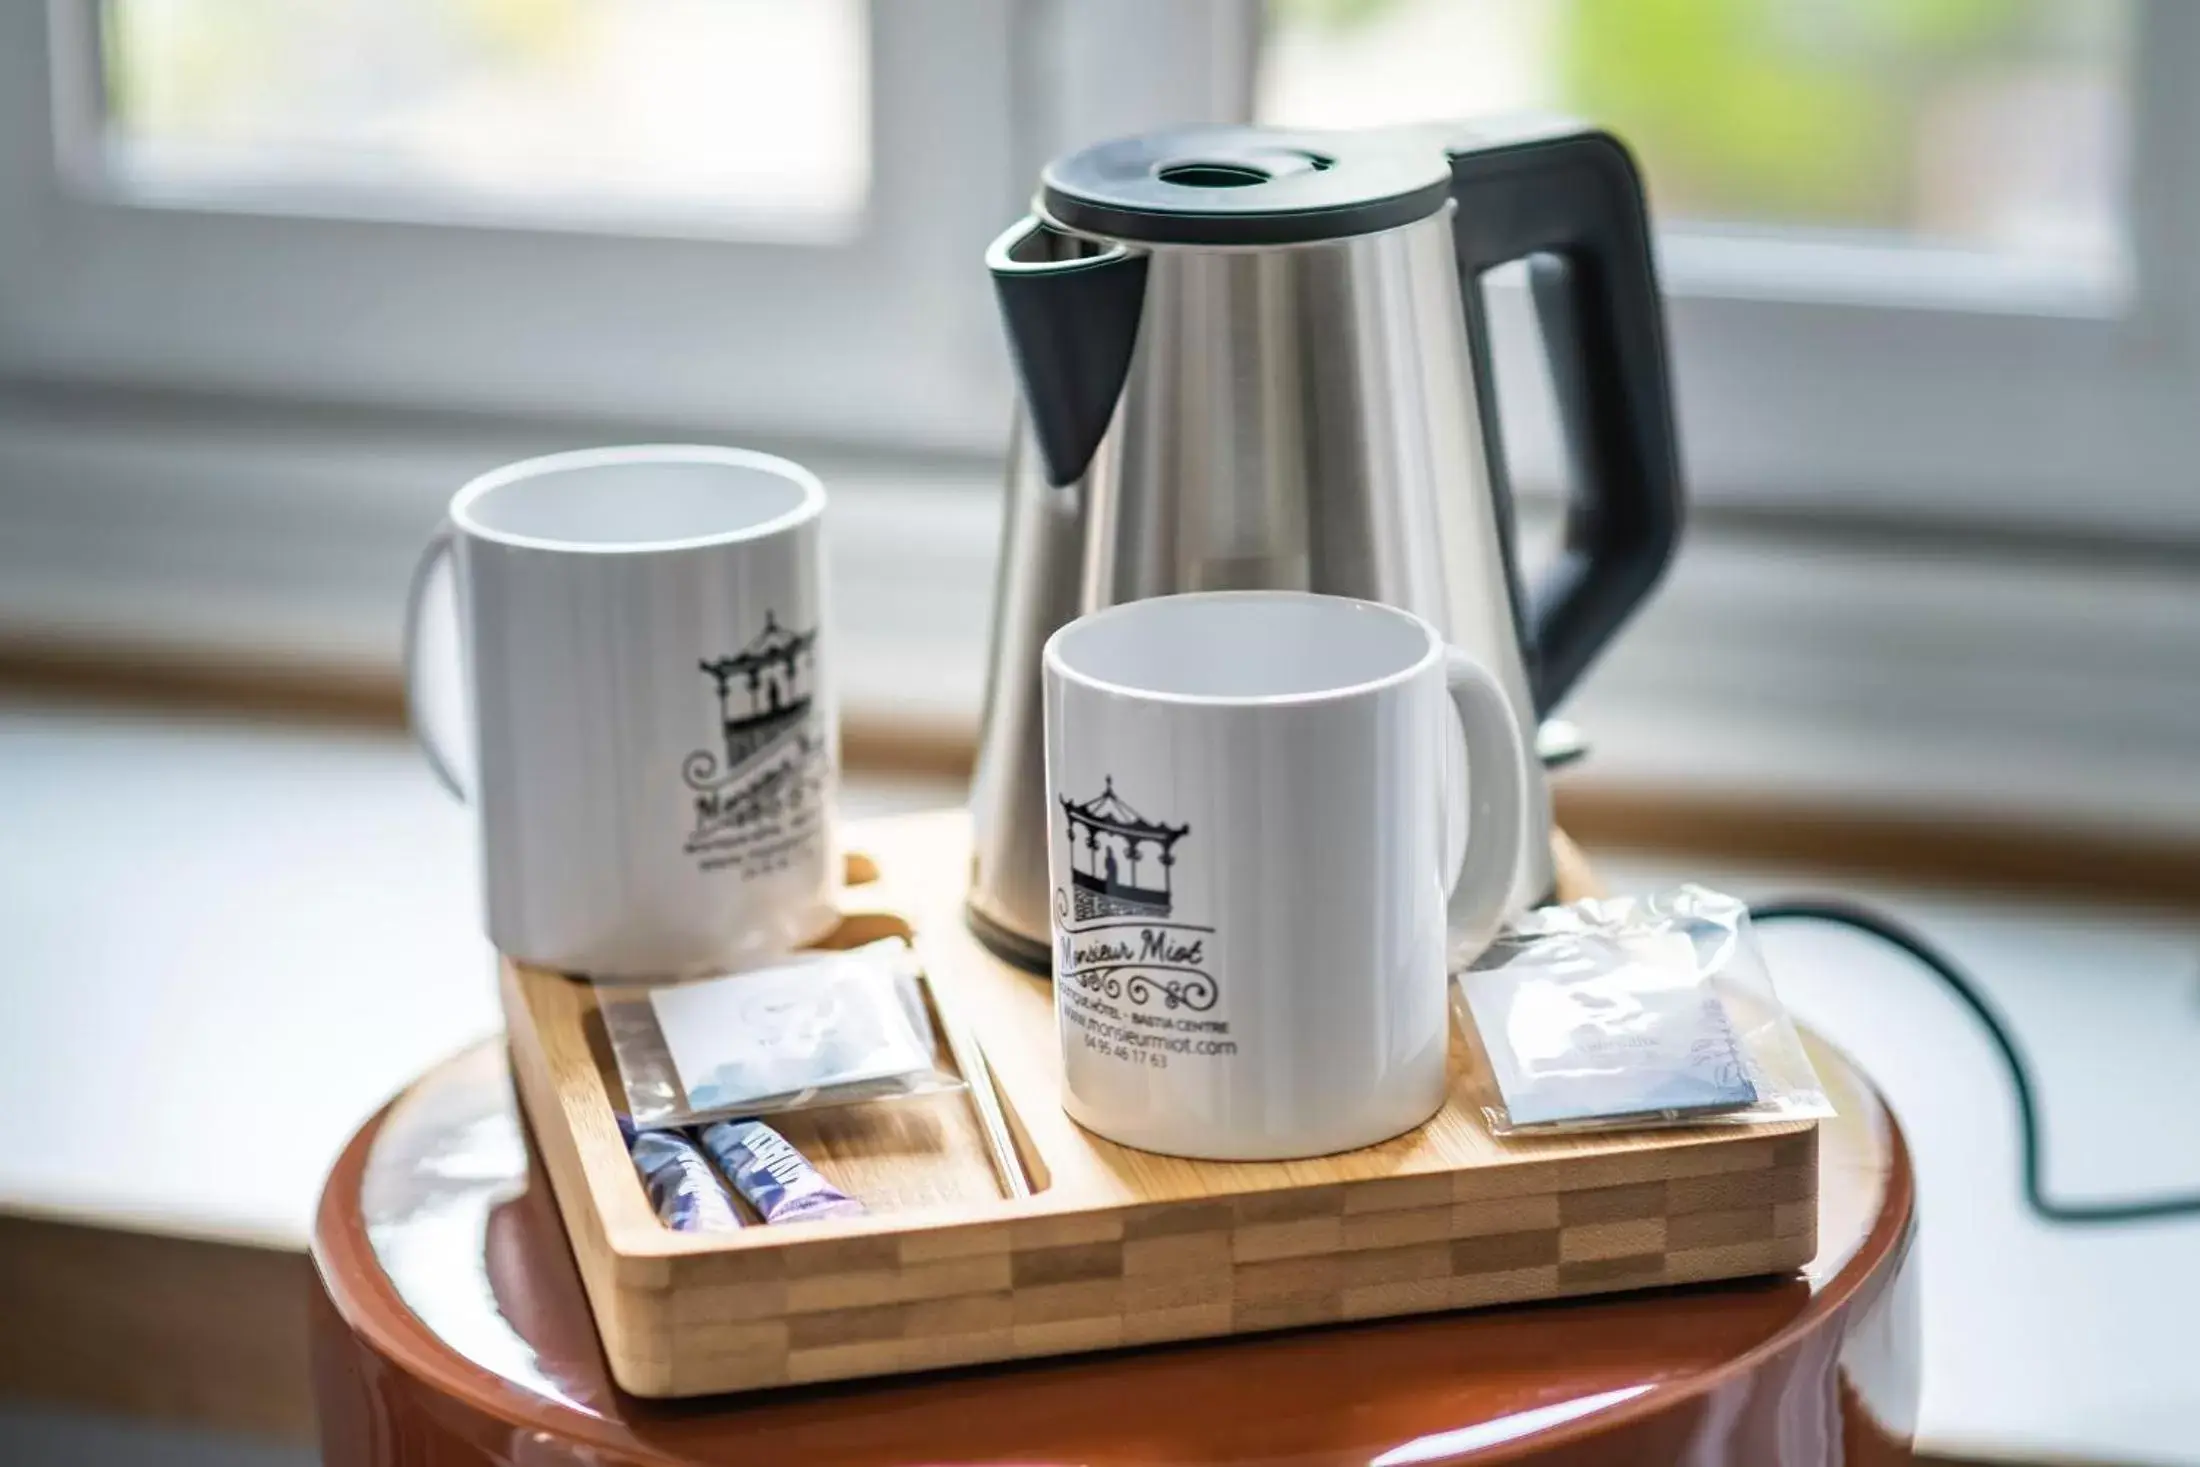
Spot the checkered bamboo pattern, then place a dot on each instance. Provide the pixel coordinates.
(1117, 1247)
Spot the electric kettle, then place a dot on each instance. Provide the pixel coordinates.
(1252, 357)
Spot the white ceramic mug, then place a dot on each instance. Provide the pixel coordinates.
(653, 739)
(1256, 886)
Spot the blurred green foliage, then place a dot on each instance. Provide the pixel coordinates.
(167, 64)
(1779, 110)
(1328, 14)
(1774, 111)
(186, 68)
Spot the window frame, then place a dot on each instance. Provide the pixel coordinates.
(1816, 378)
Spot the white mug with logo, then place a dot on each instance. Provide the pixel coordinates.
(652, 728)
(1256, 886)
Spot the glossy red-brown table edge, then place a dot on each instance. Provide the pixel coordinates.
(445, 1409)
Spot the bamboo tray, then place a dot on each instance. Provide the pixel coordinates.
(1112, 1247)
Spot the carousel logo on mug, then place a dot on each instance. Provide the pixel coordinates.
(1137, 982)
(758, 798)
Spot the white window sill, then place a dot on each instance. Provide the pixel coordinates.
(2045, 686)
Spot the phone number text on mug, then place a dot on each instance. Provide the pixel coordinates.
(1100, 1028)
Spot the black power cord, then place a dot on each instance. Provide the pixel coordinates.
(1839, 913)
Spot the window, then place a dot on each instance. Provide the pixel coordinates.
(504, 225)
(1933, 257)
(1926, 257)
(733, 214)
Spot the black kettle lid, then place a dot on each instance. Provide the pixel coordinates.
(1246, 185)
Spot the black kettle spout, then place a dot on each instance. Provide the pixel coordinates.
(1071, 308)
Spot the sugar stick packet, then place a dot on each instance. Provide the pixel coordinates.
(683, 1189)
(777, 1180)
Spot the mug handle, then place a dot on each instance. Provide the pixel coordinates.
(1497, 805)
(439, 549)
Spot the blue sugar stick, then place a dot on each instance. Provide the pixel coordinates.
(687, 1194)
(777, 1180)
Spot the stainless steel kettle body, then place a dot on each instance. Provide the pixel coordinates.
(1222, 395)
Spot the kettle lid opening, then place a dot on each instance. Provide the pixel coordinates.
(1246, 186)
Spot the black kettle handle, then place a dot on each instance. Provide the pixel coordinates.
(1570, 195)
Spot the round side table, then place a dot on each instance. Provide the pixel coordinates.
(451, 1329)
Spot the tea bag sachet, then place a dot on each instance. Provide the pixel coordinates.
(1629, 1012)
(815, 1029)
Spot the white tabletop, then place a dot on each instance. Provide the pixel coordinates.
(228, 944)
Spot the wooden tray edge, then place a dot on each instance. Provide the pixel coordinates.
(684, 1316)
